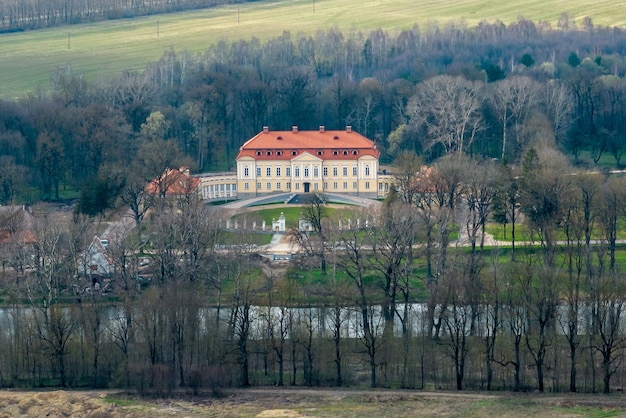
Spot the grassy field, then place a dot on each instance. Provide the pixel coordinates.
(27, 59)
(345, 403)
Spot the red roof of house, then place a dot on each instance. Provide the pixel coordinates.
(16, 225)
(327, 145)
(173, 183)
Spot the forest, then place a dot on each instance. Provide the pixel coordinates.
(412, 294)
(520, 123)
(500, 82)
(19, 15)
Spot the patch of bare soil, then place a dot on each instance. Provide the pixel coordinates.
(57, 404)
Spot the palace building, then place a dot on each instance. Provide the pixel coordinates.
(292, 162)
(321, 161)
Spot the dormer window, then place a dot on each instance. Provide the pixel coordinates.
(355, 152)
(279, 153)
(294, 152)
(335, 152)
(345, 152)
(320, 152)
(269, 152)
(259, 153)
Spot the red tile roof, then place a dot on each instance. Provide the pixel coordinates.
(327, 145)
(173, 182)
(16, 225)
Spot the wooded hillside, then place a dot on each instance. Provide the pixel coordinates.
(503, 83)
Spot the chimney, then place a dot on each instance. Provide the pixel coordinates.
(294, 129)
(322, 129)
(348, 129)
(266, 129)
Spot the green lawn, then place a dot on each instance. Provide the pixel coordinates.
(292, 214)
(27, 59)
(522, 232)
(230, 238)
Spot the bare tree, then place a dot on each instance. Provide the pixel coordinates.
(514, 98)
(354, 243)
(449, 110)
(545, 187)
(607, 314)
(559, 103)
(392, 256)
(609, 207)
(458, 323)
(575, 225)
(55, 325)
(407, 170)
(506, 204)
(541, 292)
(313, 240)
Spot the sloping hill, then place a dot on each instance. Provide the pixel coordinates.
(27, 59)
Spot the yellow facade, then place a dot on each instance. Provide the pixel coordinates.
(307, 173)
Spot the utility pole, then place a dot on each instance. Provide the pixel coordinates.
(68, 41)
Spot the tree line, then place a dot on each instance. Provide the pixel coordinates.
(414, 295)
(482, 91)
(16, 15)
